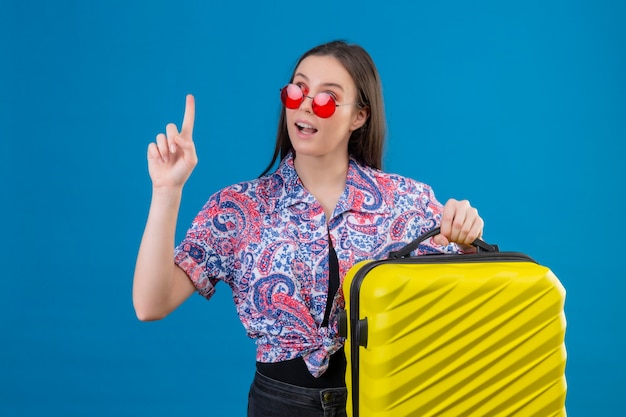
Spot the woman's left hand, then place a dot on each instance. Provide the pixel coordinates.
(461, 224)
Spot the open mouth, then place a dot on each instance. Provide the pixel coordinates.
(306, 128)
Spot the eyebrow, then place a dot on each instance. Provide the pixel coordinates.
(323, 84)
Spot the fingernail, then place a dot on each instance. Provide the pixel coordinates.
(172, 148)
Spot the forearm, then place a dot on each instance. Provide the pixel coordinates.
(154, 271)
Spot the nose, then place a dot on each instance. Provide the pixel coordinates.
(307, 104)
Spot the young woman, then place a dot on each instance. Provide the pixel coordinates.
(284, 241)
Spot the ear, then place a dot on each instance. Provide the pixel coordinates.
(360, 118)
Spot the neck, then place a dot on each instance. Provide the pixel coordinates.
(325, 173)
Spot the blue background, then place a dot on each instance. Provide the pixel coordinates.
(518, 106)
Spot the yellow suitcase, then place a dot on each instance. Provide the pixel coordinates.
(454, 335)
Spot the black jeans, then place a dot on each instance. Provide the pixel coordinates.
(271, 398)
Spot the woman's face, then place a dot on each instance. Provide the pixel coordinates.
(324, 137)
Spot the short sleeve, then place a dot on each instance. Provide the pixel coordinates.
(206, 252)
(422, 212)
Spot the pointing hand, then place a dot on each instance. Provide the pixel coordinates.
(172, 158)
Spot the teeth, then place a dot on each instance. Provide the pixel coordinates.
(304, 126)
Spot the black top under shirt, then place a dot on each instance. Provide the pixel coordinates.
(294, 371)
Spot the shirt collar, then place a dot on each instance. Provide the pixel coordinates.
(363, 192)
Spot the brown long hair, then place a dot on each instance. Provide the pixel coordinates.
(366, 143)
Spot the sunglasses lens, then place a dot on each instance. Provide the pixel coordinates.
(324, 105)
(291, 95)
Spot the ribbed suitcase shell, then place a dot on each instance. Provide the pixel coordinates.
(455, 335)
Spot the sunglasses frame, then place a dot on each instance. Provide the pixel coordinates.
(318, 109)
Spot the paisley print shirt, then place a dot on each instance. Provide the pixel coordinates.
(267, 239)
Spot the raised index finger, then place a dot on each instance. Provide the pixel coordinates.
(188, 118)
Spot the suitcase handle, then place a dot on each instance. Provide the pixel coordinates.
(405, 252)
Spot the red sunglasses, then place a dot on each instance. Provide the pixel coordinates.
(324, 104)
